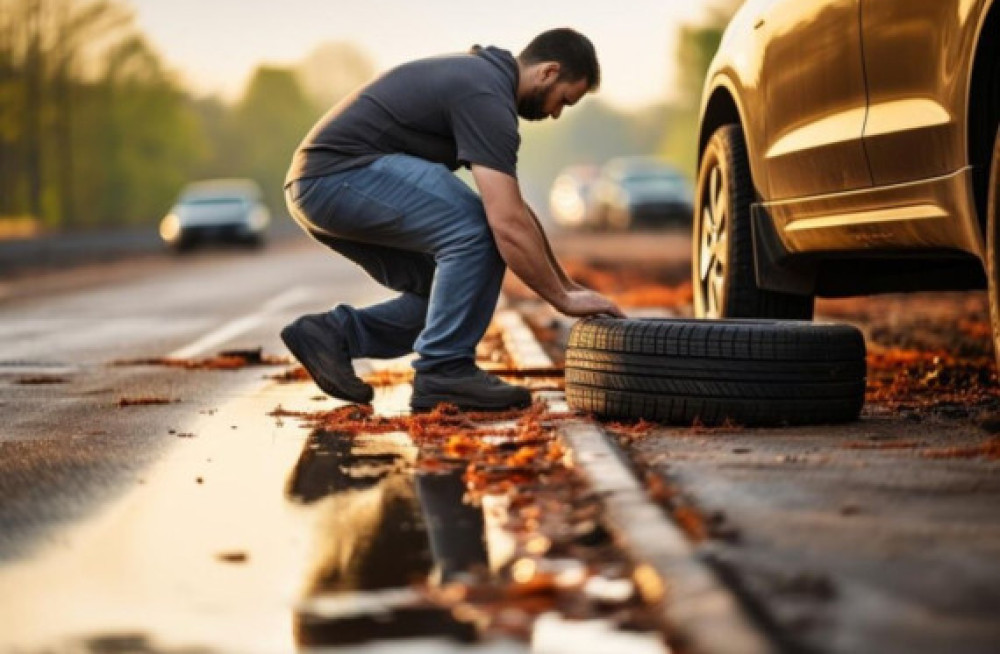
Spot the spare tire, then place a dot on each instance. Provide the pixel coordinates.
(749, 372)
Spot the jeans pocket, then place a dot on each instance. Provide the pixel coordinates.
(350, 212)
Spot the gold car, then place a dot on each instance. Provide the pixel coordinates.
(846, 148)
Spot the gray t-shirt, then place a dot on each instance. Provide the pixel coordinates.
(455, 110)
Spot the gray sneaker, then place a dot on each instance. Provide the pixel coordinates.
(478, 391)
(321, 348)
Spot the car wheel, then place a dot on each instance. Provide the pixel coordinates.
(182, 245)
(993, 246)
(724, 280)
(684, 371)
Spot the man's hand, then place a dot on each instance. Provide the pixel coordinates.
(585, 302)
(524, 247)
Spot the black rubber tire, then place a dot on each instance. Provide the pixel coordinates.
(749, 372)
(993, 246)
(741, 297)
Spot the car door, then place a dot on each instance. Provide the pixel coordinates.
(814, 97)
(915, 53)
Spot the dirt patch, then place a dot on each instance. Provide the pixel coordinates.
(40, 380)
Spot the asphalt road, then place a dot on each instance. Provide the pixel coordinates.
(109, 512)
(202, 524)
(67, 443)
(169, 527)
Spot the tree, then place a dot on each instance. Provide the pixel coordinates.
(697, 46)
(92, 128)
(271, 119)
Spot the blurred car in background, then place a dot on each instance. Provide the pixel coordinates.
(569, 199)
(641, 192)
(222, 210)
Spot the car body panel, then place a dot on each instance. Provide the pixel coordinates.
(814, 97)
(915, 215)
(917, 61)
(910, 135)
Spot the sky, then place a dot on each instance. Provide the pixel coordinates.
(215, 44)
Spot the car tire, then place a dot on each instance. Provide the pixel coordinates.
(993, 246)
(182, 245)
(685, 371)
(723, 274)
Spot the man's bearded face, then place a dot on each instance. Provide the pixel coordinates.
(532, 107)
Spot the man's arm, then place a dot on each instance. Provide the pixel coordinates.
(553, 261)
(524, 248)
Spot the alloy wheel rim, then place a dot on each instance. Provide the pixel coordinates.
(713, 246)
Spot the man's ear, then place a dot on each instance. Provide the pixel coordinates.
(549, 72)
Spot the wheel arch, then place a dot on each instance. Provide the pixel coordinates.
(720, 109)
(723, 107)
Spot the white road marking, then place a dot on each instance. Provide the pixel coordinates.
(289, 298)
(241, 325)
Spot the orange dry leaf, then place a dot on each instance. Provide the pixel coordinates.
(987, 450)
(462, 445)
(641, 427)
(692, 522)
(296, 374)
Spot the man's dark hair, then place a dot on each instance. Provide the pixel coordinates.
(571, 50)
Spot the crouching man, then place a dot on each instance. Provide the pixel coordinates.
(372, 181)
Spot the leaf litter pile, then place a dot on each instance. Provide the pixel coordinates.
(491, 355)
(515, 469)
(225, 360)
(929, 355)
(629, 285)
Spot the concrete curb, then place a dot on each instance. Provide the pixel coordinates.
(698, 609)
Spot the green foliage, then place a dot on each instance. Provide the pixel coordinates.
(271, 119)
(93, 130)
(697, 46)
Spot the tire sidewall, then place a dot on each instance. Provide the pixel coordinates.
(993, 246)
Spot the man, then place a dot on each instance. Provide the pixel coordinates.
(372, 180)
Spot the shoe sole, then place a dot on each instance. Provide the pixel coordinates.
(298, 349)
(429, 403)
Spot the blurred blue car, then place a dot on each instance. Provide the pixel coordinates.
(641, 192)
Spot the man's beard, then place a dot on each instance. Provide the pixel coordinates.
(532, 107)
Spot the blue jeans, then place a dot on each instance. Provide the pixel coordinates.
(417, 229)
